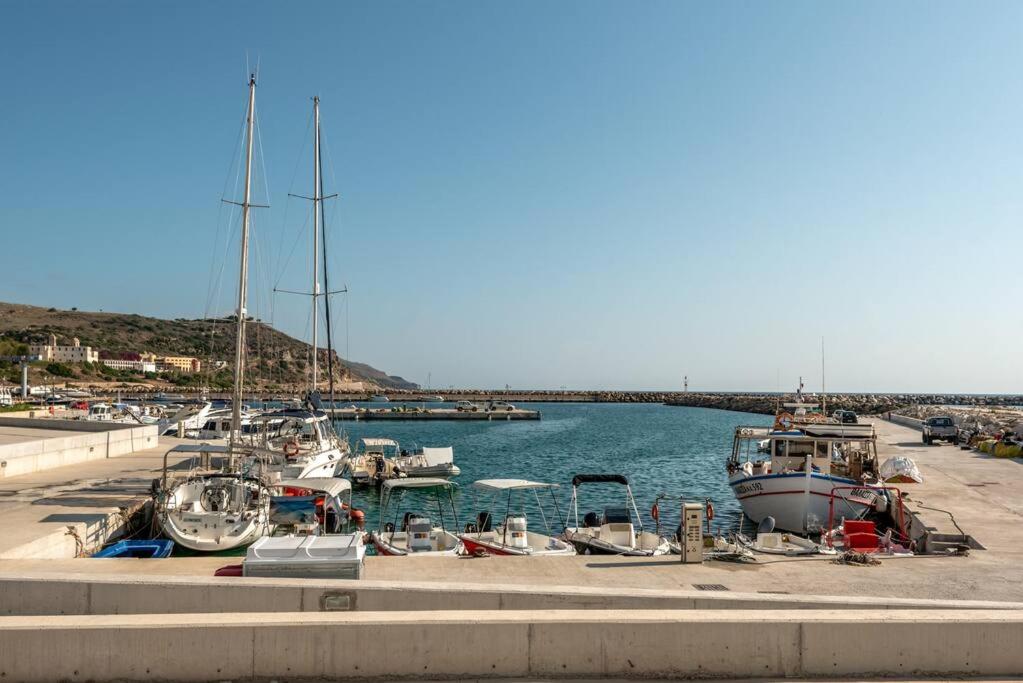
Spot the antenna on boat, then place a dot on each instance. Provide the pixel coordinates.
(824, 395)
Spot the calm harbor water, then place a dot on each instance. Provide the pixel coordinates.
(661, 449)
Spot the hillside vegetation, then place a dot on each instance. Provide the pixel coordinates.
(275, 359)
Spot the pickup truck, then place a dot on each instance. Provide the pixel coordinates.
(940, 428)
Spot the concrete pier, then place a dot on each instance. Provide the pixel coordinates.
(67, 511)
(414, 413)
(30, 445)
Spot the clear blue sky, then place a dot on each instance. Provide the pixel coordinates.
(588, 194)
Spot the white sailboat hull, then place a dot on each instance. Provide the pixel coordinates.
(185, 519)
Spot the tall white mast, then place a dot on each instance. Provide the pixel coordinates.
(243, 274)
(316, 234)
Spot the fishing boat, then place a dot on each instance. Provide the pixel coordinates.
(618, 530)
(794, 481)
(379, 398)
(404, 530)
(220, 501)
(223, 503)
(512, 536)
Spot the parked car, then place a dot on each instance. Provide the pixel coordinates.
(500, 405)
(941, 428)
(466, 407)
(848, 417)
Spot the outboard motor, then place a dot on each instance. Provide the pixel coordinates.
(766, 525)
(515, 532)
(419, 529)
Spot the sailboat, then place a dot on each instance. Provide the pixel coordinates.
(223, 504)
(305, 436)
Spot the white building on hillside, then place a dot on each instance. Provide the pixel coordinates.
(76, 353)
(136, 365)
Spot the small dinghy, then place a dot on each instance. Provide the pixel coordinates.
(154, 549)
(772, 542)
(777, 543)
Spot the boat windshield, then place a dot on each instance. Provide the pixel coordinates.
(617, 516)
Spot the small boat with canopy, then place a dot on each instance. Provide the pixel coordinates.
(618, 530)
(511, 536)
(406, 527)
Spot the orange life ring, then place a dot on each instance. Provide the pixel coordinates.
(710, 510)
(655, 512)
(291, 449)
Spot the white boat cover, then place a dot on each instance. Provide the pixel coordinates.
(416, 483)
(438, 456)
(506, 484)
(379, 442)
(900, 470)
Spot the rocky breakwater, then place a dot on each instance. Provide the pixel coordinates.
(768, 404)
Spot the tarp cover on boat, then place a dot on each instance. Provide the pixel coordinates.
(599, 479)
(293, 510)
(438, 456)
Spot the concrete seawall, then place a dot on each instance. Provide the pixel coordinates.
(68, 442)
(33, 594)
(598, 643)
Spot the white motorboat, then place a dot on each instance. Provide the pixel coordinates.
(373, 461)
(427, 461)
(404, 530)
(214, 506)
(303, 440)
(512, 536)
(809, 475)
(218, 424)
(616, 531)
(188, 418)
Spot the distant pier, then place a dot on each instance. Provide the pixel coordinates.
(403, 413)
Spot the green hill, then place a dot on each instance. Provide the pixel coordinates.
(275, 359)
